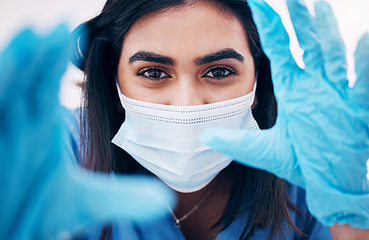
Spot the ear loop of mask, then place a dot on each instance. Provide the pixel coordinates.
(255, 82)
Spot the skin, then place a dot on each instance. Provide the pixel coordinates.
(346, 232)
(186, 34)
(164, 60)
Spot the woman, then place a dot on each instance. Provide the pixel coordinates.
(185, 53)
(139, 57)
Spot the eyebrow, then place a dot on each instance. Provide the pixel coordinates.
(151, 57)
(222, 54)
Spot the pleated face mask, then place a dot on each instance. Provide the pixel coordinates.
(165, 139)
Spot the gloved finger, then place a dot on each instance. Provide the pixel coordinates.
(30, 74)
(18, 71)
(56, 53)
(89, 198)
(13, 59)
(274, 39)
(31, 68)
(360, 90)
(332, 45)
(305, 33)
(256, 149)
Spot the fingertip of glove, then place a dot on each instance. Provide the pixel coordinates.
(151, 201)
(256, 4)
(263, 14)
(167, 195)
(61, 29)
(364, 39)
(26, 33)
(210, 135)
(260, 2)
(322, 8)
(221, 139)
(61, 34)
(295, 3)
(322, 5)
(23, 40)
(133, 197)
(362, 46)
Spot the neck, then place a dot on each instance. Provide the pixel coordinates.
(193, 198)
(208, 213)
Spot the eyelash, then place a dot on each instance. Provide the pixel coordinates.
(145, 70)
(230, 70)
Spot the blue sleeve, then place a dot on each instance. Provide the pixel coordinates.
(72, 142)
(316, 230)
(306, 222)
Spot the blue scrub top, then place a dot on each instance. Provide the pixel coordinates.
(164, 229)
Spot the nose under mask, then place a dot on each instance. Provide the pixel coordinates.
(165, 139)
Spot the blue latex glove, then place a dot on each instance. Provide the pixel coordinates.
(43, 194)
(321, 138)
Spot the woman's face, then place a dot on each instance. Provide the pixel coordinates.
(188, 55)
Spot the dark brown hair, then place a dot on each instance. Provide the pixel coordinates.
(102, 116)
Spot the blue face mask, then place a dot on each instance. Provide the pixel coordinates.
(165, 139)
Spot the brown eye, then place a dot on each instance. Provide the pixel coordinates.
(153, 73)
(219, 72)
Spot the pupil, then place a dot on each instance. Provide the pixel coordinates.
(218, 72)
(154, 74)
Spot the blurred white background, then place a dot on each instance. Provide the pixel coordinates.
(43, 15)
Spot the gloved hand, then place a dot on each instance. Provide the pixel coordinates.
(321, 137)
(43, 194)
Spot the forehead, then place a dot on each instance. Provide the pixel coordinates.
(197, 29)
